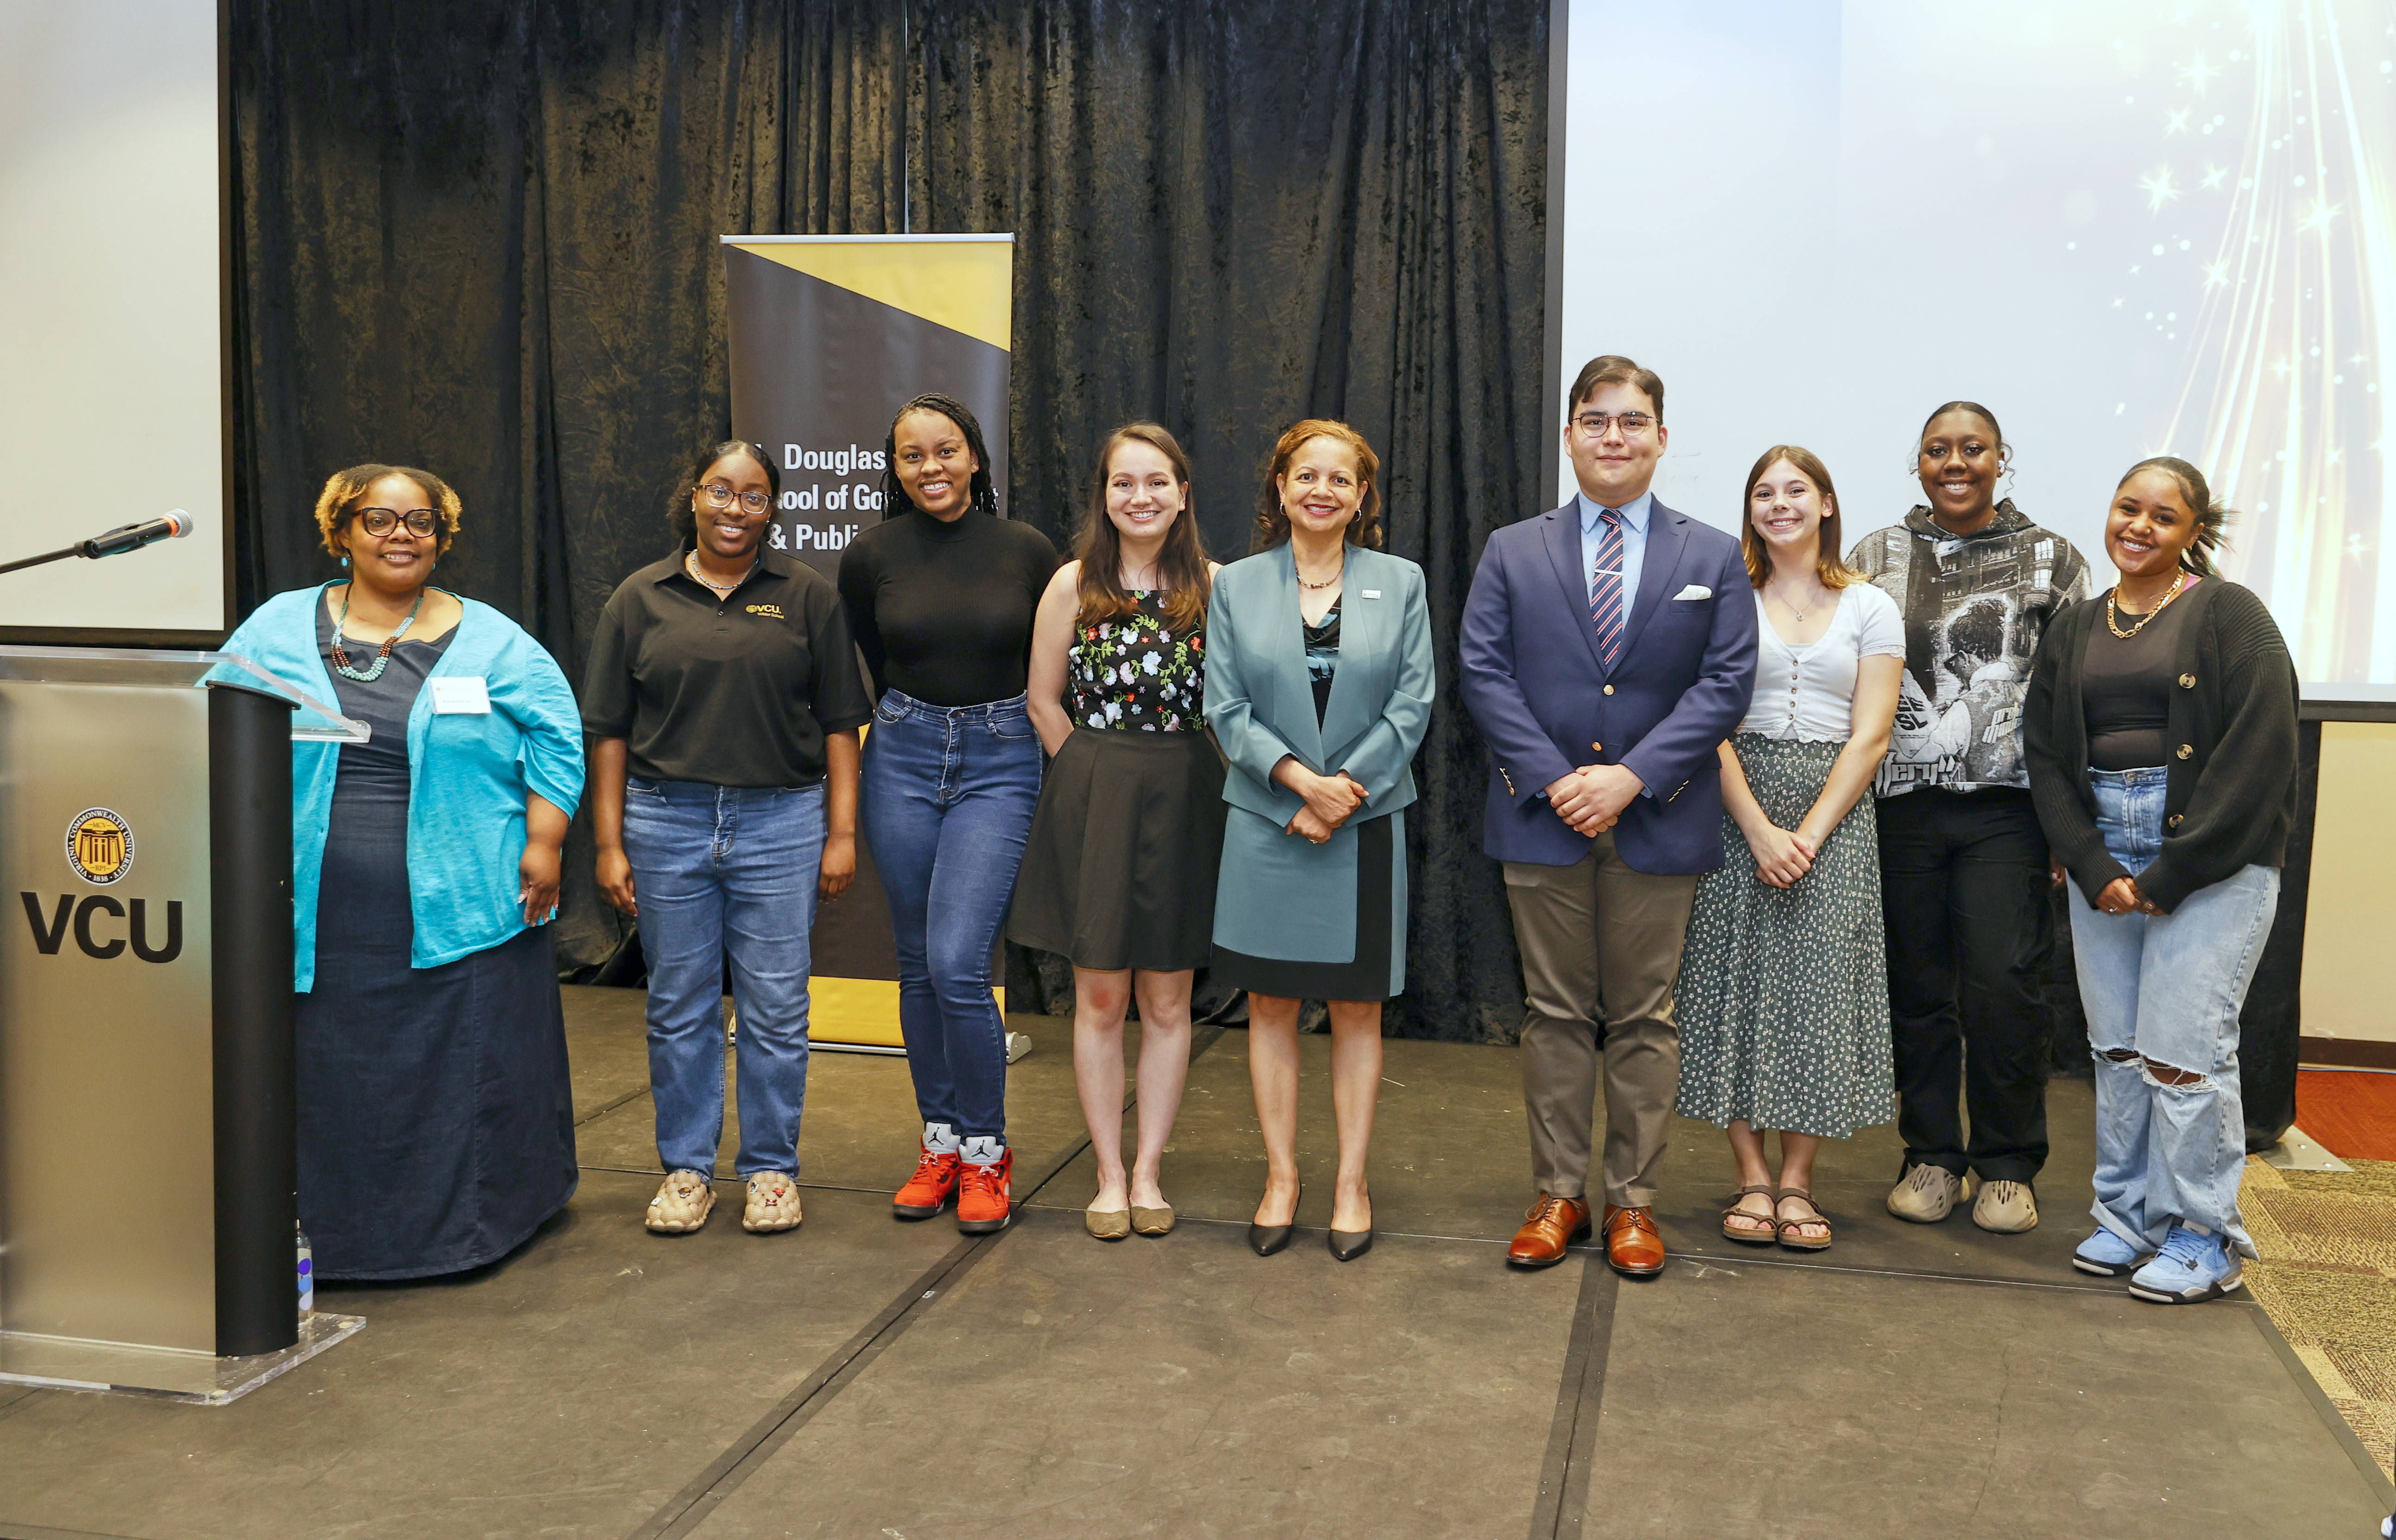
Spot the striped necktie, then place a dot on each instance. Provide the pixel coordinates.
(1606, 587)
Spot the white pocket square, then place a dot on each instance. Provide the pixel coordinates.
(1694, 590)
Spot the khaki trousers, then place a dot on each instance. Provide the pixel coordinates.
(1600, 948)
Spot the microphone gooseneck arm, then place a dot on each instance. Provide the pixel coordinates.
(113, 542)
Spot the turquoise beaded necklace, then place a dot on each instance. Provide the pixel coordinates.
(382, 659)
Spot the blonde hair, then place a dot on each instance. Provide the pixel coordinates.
(344, 487)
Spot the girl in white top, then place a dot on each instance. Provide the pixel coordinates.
(1783, 997)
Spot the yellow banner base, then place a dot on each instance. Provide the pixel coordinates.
(861, 1013)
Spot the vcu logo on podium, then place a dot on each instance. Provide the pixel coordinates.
(100, 848)
(100, 845)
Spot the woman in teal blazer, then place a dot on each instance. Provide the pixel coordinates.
(436, 1123)
(1319, 686)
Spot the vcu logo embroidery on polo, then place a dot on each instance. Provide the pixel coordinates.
(100, 845)
(771, 612)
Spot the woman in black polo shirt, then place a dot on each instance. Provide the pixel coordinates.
(723, 703)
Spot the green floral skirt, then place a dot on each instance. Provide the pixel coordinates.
(1783, 999)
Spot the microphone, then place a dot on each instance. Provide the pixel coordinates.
(133, 537)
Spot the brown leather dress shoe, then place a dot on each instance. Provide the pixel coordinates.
(1633, 1246)
(1554, 1223)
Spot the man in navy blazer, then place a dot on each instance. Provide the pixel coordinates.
(1608, 649)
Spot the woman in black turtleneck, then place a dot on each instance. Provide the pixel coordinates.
(940, 596)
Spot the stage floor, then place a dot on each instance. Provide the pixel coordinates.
(861, 1377)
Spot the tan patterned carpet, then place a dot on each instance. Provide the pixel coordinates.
(2327, 1278)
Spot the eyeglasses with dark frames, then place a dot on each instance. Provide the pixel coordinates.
(1594, 424)
(380, 521)
(720, 496)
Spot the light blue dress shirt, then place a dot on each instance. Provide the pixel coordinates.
(1634, 544)
(1635, 555)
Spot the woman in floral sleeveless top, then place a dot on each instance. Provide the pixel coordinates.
(1119, 875)
(1139, 672)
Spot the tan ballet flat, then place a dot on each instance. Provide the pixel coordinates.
(1152, 1221)
(1107, 1224)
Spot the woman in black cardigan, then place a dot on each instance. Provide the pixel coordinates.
(2161, 730)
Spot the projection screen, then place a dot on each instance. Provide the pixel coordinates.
(2129, 229)
(111, 399)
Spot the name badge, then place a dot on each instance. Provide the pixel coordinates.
(460, 695)
(1372, 593)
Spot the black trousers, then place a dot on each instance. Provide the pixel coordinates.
(1963, 894)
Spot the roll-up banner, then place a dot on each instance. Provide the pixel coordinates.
(829, 336)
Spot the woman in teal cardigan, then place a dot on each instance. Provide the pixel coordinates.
(1319, 686)
(436, 1125)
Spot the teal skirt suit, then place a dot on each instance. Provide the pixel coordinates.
(1288, 911)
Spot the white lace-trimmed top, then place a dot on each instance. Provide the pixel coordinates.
(1808, 692)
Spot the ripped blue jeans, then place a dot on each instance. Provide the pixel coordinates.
(2163, 993)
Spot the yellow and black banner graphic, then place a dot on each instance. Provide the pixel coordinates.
(832, 333)
(829, 336)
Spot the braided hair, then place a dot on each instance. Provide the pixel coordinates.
(985, 491)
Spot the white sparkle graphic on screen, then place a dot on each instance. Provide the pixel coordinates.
(2305, 257)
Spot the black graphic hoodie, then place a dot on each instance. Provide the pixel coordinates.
(1975, 608)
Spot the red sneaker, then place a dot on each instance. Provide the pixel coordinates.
(928, 1192)
(983, 1195)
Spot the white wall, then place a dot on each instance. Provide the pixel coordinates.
(111, 408)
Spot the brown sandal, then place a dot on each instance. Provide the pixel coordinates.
(1754, 1238)
(1788, 1228)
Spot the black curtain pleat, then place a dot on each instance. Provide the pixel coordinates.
(1235, 214)
(484, 240)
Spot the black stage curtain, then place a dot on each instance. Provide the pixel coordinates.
(482, 239)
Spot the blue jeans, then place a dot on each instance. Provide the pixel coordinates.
(2165, 990)
(946, 803)
(721, 870)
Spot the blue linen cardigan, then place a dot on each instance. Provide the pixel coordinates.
(466, 776)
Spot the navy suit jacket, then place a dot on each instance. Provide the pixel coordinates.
(1532, 681)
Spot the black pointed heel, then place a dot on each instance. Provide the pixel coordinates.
(1348, 1245)
(1265, 1240)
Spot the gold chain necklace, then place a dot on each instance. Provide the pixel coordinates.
(2169, 595)
(1328, 581)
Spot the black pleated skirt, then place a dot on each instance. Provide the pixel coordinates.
(1366, 976)
(1119, 871)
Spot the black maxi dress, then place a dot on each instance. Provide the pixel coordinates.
(436, 1121)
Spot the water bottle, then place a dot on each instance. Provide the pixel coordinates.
(307, 1274)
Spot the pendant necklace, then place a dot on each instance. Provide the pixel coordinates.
(382, 659)
(1788, 604)
(2169, 595)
